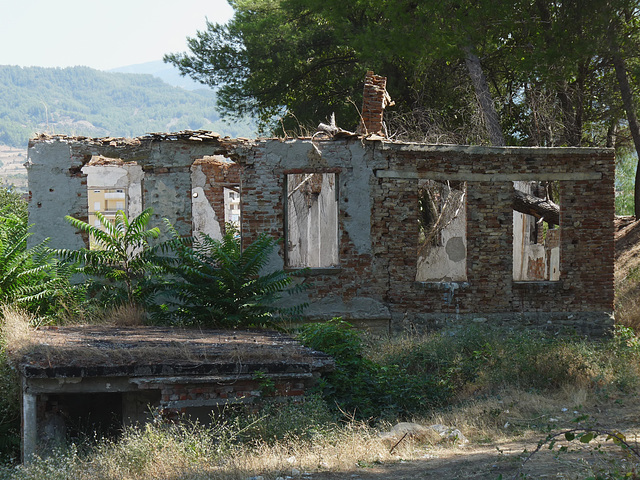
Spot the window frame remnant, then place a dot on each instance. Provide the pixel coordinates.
(127, 185)
(442, 238)
(319, 251)
(536, 243)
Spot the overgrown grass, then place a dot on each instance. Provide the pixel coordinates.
(486, 360)
(490, 383)
(409, 376)
(627, 300)
(274, 443)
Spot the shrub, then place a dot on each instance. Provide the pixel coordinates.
(30, 277)
(121, 269)
(490, 359)
(220, 284)
(408, 376)
(363, 388)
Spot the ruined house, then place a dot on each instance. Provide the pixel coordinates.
(393, 236)
(348, 210)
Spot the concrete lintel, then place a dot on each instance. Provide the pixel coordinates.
(78, 385)
(488, 177)
(486, 150)
(213, 378)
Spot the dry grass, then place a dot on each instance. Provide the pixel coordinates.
(126, 315)
(16, 330)
(195, 452)
(119, 340)
(627, 274)
(152, 454)
(499, 417)
(628, 308)
(122, 316)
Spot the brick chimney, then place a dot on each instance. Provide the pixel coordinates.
(375, 100)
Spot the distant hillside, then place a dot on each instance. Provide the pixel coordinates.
(164, 71)
(84, 101)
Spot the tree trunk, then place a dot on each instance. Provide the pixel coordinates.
(612, 133)
(522, 202)
(491, 120)
(627, 100)
(538, 207)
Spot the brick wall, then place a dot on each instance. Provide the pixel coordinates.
(229, 391)
(378, 220)
(376, 277)
(375, 99)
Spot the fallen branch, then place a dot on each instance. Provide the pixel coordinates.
(536, 206)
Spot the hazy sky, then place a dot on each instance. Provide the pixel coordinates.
(100, 34)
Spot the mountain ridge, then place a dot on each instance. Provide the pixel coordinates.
(166, 72)
(94, 103)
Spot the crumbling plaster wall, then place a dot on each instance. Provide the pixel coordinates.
(351, 290)
(57, 186)
(448, 260)
(210, 176)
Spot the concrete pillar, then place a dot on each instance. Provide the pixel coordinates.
(29, 425)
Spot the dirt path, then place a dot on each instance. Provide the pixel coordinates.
(505, 459)
(491, 462)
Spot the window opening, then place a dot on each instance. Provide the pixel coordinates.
(112, 186)
(536, 236)
(312, 220)
(216, 197)
(232, 207)
(442, 237)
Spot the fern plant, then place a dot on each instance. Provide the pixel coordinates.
(121, 267)
(28, 276)
(222, 285)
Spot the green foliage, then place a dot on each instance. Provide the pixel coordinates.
(626, 165)
(121, 267)
(12, 202)
(361, 387)
(407, 377)
(223, 285)
(270, 56)
(491, 359)
(30, 277)
(548, 64)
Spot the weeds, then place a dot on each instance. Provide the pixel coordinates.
(361, 387)
(490, 384)
(485, 360)
(410, 376)
(233, 446)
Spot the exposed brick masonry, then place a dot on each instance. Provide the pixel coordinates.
(375, 99)
(377, 219)
(220, 175)
(385, 273)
